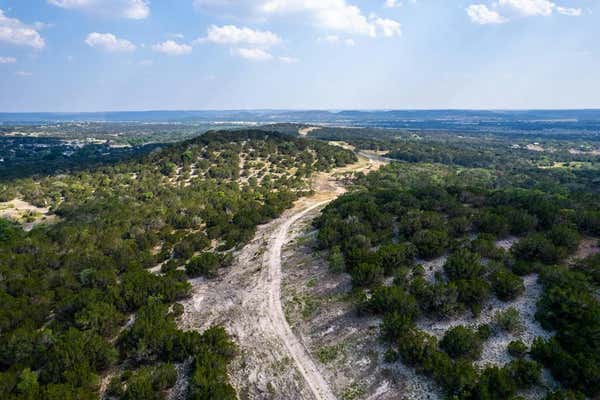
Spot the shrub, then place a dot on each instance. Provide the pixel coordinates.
(336, 260)
(394, 299)
(565, 395)
(495, 383)
(462, 342)
(525, 373)
(506, 285)
(430, 243)
(395, 326)
(206, 264)
(517, 348)
(473, 293)
(508, 320)
(394, 256)
(463, 264)
(366, 274)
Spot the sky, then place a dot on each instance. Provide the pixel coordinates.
(107, 55)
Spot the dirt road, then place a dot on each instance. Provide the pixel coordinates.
(246, 300)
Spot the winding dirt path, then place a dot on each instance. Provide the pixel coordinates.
(304, 362)
(246, 300)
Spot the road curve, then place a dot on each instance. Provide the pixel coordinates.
(304, 362)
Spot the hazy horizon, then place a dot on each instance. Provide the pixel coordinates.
(141, 55)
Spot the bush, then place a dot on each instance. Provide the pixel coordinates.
(462, 342)
(394, 256)
(525, 373)
(495, 383)
(536, 247)
(366, 274)
(565, 395)
(508, 320)
(431, 243)
(463, 264)
(394, 299)
(473, 293)
(336, 260)
(517, 348)
(506, 285)
(206, 264)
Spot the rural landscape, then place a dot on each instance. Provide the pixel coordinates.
(301, 261)
(299, 200)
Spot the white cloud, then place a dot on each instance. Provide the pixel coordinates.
(288, 60)
(7, 60)
(501, 11)
(131, 9)
(252, 54)
(23, 73)
(527, 8)
(388, 27)
(482, 14)
(333, 15)
(16, 32)
(396, 3)
(571, 12)
(172, 48)
(231, 34)
(109, 42)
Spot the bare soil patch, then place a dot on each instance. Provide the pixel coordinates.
(26, 214)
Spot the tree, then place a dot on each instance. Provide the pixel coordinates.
(506, 285)
(508, 320)
(463, 264)
(517, 348)
(336, 260)
(206, 264)
(430, 243)
(394, 299)
(462, 342)
(366, 275)
(394, 256)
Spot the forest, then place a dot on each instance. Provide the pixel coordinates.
(90, 301)
(457, 200)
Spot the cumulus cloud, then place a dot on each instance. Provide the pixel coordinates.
(7, 60)
(233, 35)
(131, 9)
(252, 54)
(396, 3)
(15, 32)
(482, 14)
(388, 27)
(334, 15)
(502, 11)
(527, 8)
(172, 48)
(109, 42)
(571, 12)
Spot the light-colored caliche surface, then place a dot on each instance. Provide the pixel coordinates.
(306, 130)
(25, 213)
(303, 361)
(246, 299)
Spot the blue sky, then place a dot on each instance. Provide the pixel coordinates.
(97, 55)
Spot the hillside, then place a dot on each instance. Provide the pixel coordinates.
(90, 297)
